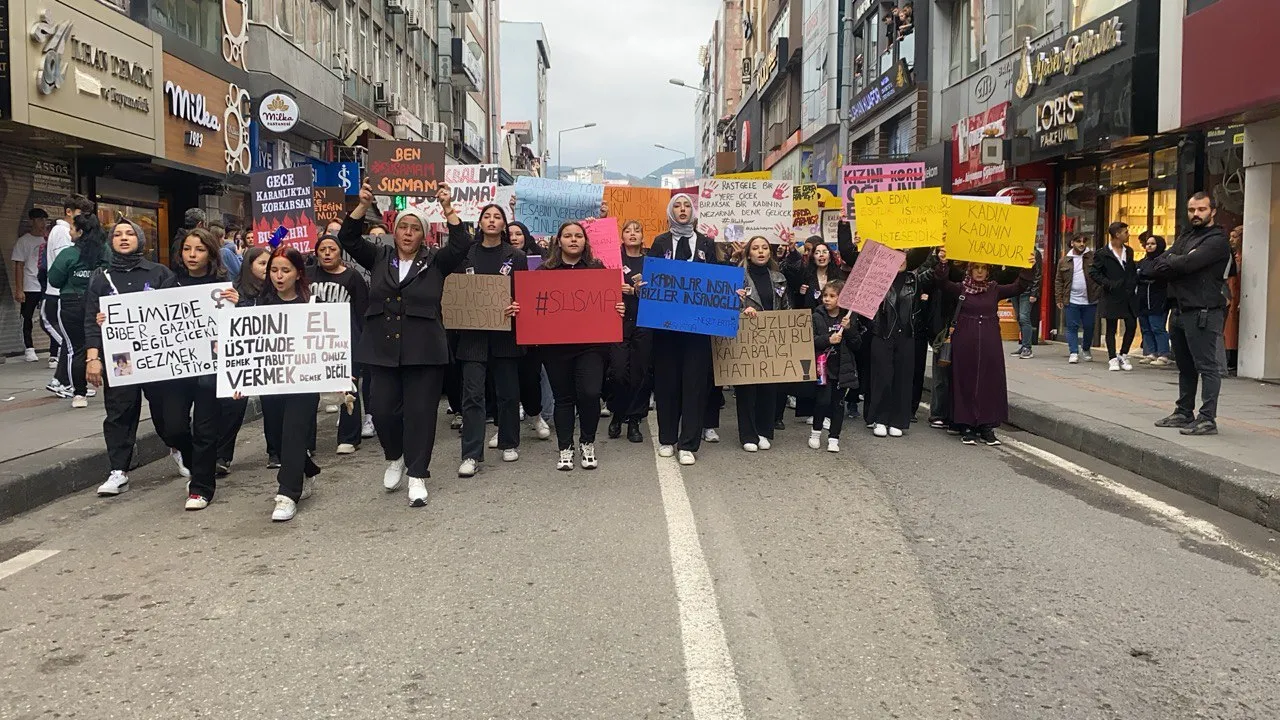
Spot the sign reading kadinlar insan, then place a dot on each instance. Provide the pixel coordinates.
(284, 349)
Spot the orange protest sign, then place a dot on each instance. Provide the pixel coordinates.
(647, 205)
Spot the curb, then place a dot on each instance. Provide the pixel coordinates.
(29, 482)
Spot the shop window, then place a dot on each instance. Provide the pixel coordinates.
(1079, 205)
(1224, 173)
(199, 21)
(898, 133)
(968, 39)
(1021, 20)
(1084, 12)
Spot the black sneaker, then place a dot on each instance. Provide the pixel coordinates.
(779, 425)
(633, 432)
(1176, 420)
(273, 462)
(222, 468)
(615, 427)
(988, 436)
(969, 438)
(1200, 427)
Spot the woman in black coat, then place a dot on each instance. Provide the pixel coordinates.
(403, 343)
(1115, 271)
(1153, 306)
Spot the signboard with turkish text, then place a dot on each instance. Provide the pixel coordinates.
(330, 204)
(808, 202)
(605, 241)
(870, 279)
(568, 307)
(775, 346)
(161, 334)
(284, 349)
(544, 205)
(738, 210)
(476, 302)
(967, 170)
(990, 232)
(402, 167)
(901, 219)
(648, 206)
(693, 297)
(471, 187)
(284, 198)
(876, 178)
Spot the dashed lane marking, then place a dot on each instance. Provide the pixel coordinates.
(25, 560)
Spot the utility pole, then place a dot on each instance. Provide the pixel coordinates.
(846, 83)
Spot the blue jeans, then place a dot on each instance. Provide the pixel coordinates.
(1077, 317)
(1022, 306)
(1155, 333)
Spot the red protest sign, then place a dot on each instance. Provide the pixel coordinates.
(568, 307)
(870, 279)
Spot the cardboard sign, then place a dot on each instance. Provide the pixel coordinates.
(503, 198)
(988, 232)
(284, 198)
(544, 205)
(692, 297)
(568, 307)
(877, 178)
(648, 206)
(901, 218)
(330, 204)
(772, 347)
(871, 278)
(831, 227)
(807, 203)
(284, 349)
(605, 241)
(738, 210)
(471, 187)
(476, 302)
(400, 167)
(160, 334)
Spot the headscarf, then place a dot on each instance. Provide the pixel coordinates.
(973, 287)
(127, 263)
(528, 239)
(678, 229)
(414, 213)
(1160, 247)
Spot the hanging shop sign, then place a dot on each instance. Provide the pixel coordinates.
(1057, 119)
(1076, 50)
(968, 170)
(278, 112)
(887, 87)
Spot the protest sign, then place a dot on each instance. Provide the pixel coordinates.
(476, 302)
(544, 205)
(807, 203)
(160, 334)
(901, 218)
(535, 260)
(831, 226)
(698, 298)
(471, 187)
(877, 178)
(773, 347)
(992, 233)
(284, 349)
(284, 198)
(870, 279)
(737, 210)
(402, 167)
(648, 206)
(330, 204)
(760, 175)
(568, 307)
(503, 198)
(606, 242)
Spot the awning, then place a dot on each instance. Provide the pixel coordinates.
(359, 129)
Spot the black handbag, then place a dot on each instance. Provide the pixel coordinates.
(944, 350)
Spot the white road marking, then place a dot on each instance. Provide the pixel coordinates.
(709, 671)
(24, 561)
(1203, 529)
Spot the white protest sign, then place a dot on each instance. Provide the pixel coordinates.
(160, 334)
(472, 187)
(284, 349)
(737, 210)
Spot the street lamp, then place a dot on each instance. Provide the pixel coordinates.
(560, 145)
(681, 153)
(683, 84)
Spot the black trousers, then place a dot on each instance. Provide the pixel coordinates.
(71, 317)
(576, 375)
(829, 405)
(191, 420)
(453, 377)
(505, 373)
(123, 406)
(405, 402)
(49, 315)
(230, 420)
(350, 424)
(917, 376)
(297, 431)
(531, 384)
(889, 395)
(755, 405)
(1196, 339)
(940, 392)
(681, 383)
(30, 305)
(715, 403)
(1113, 324)
(631, 376)
(272, 423)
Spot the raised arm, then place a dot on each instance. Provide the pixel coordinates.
(845, 244)
(454, 253)
(351, 236)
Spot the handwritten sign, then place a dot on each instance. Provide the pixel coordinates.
(568, 307)
(330, 204)
(648, 206)
(605, 240)
(877, 178)
(284, 198)
(807, 203)
(871, 278)
(737, 210)
(284, 349)
(398, 167)
(544, 205)
(503, 198)
(901, 218)
(991, 233)
(831, 226)
(476, 302)
(698, 298)
(160, 334)
(772, 347)
(471, 187)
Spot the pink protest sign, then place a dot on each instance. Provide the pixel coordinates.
(877, 178)
(871, 278)
(606, 242)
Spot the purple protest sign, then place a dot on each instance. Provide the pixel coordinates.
(870, 279)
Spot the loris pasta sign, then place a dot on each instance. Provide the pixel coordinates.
(284, 198)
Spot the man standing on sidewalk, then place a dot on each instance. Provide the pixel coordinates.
(59, 240)
(27, 290)
(1077, 294)
(1023, 305)
(1196, 268)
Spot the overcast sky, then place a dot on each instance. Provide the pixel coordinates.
(610, 63)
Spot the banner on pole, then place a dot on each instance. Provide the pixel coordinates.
(161, 334)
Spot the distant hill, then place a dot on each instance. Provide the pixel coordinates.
(653, 179)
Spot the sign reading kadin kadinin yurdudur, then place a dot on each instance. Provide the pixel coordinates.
(160, 334)
(283, 349)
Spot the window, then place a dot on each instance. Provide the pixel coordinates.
(199, 21)
(350, 19)
(366, 59)
(867, 38)
(1021, 20)
(1084, 12)
(968, 40)
(898, 132)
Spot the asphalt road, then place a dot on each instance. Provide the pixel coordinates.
(911, 578)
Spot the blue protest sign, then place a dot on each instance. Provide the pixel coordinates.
(544, 205)
(698, 298)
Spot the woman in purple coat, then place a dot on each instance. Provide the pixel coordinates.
(979, 394)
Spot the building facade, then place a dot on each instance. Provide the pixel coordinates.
(526, 61)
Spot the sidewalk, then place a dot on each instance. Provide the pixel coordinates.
(1111, 416)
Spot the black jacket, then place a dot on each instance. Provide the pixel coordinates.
(1153, 294)
(1118, 282)
(704, 249)
(402, 324)
(631, 267)
(106, 282)
(480, 345)
(1195, 268)
(902, 309)
(781, 295)
(842, 364)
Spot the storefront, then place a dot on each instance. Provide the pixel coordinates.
(748, 136)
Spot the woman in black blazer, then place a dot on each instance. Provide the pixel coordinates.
(403, 343)
(1115, 271)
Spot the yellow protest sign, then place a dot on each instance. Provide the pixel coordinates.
(901, 219)
(761, 175)
(990, 233)
(808, 200)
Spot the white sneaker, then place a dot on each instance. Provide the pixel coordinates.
(493, 442)
(522, 415)
(59, 389)
(589, 461)
(1125, 364)
(666, 451)
(895, 432)
(468, 468)
(815, 439)
(330, 409)
(346, 449)
(366, 428)
(1113, 365)
(90, 392)
(308, 488)
(1088, 356)
(53, 362)
(880, 430)
(176, 456)
(826, 423)
(750, 447)
(417, 492)
(30, 355)
(1160, 362)
(116, 483)
(196, 502)
(566, 460)
(541, 428)
(710, 435)
(833, 445)
(791, 402)
(1073, 358)
(605, 412)
(510, 455)
(394, 475)
(764, 443)
(79, 401)
(687, 458)
(285, 509)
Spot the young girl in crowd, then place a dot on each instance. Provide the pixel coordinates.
(331, 281)
(403, 343)
(248, 286)
(70, 273)
(766, 290)
(835, 338)
(891, 335)
(128, 272)
(631, 361)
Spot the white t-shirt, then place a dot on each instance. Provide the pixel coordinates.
(59, 240)
(1079, 286)
(27, 252)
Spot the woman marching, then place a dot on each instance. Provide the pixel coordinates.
(766, 290)
(70, 273)
(253, 275)
(403, 343)
(892, 353)
(835, 338)
(331, 281)
(631, 361)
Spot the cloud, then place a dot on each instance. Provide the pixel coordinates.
(610, 63)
